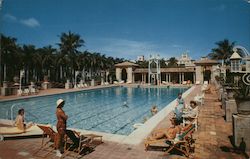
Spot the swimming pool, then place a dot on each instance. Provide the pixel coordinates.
(113, 110)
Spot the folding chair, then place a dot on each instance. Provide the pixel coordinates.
(76, 142)
(181, 143)
(48, 133)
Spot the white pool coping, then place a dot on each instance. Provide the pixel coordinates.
(138, 135)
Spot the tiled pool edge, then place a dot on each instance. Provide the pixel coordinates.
(137, 136)
(56, 93)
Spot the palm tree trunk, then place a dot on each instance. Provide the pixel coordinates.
(4, 72)
(83, 75)
(61, 73)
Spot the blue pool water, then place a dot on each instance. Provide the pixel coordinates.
(97, 110)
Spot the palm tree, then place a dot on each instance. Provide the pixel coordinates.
(69, 45)
(44, 60)
(9, 57)
(172, 62)
(223, 51)
(28, 52)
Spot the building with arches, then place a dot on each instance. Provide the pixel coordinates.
(204, 70)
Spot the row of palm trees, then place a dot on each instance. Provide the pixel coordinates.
(58, 64)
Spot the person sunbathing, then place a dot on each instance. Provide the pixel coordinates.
(19, 122)
(168, 133)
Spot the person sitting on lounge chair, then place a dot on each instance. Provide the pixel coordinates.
(168, 133)
(192, 110)
(19, 122)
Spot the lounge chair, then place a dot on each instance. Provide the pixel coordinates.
(205, 82)
(121, 82)
(19, 92)
(85, 85)
(181, 143)
(129, 82)
(199, 98)
(50, 135)
(77, 143)
(197, 82)
(33, 91)
(184, 82)
(26, 91)
(191, 119)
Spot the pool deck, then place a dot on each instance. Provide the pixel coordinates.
(212, 135)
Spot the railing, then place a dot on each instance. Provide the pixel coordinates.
(11, 111)
(12, 116)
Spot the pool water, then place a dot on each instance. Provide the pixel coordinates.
(113, 110)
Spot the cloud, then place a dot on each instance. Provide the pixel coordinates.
(176, 46)
(31, 22)
(10, 17)
(130, 49)
(124, 48)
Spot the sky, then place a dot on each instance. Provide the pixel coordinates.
(128, 28)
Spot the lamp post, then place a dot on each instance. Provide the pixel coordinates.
(21, 76)
(76, 74)
(235, 61)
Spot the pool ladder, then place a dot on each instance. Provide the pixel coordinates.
(12, 116)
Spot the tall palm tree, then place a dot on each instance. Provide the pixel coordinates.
(28, 53)
(69, 45)
(223, 51)
(44, 60)
(9, 57)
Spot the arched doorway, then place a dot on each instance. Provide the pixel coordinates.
(124, 75)
(207, 75)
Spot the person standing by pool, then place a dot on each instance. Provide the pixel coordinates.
(61, 126)
(180, 105)
(180, 100)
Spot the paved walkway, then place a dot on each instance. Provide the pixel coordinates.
(214, 133)
(211, 140)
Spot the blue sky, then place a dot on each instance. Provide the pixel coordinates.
(128, 28)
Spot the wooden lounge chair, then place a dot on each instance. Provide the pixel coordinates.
(181, 143)
(189, 119)
(50, 135)
(77, 143)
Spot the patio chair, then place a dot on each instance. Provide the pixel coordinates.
(85, 85)
(200, 98)
(181, 142)
(50, 134)
(26, 91)
(33, 91)
(77, 143)
(187, 119)
(197, 82)
(19, 92)
(184, 82)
